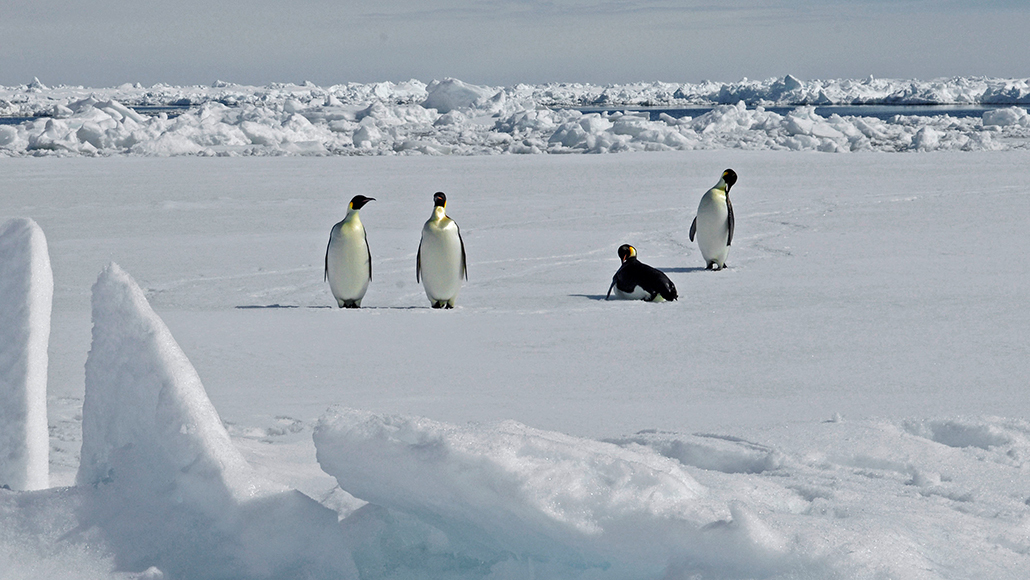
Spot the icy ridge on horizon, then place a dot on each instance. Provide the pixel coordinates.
(453, 117)
(33, 98)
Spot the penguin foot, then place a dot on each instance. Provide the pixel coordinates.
(438, 304)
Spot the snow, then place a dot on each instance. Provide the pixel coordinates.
(451, 117)
(26, 295)
(846, 400)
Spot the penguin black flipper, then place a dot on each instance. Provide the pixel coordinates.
(367, 249)
(418, 262)
(609, 295)
(729, 220)
(464, 266)
(326, 277)
(629, 277)
(693, 228)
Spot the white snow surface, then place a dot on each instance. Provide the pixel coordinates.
(452, 117)
(26, 296)
(848, 399)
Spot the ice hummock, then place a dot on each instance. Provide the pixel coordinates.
(170, 489)
(26, 299)
(515, 497)
(458, 118)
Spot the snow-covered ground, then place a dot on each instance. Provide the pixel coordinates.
(847, 400)
(453, 117)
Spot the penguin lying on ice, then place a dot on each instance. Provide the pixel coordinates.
(440, 263)
(348, 261)
(636, 280)
(714, 222)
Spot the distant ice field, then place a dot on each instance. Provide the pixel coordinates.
(450, 117)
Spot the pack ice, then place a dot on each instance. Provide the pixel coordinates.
(451, 117)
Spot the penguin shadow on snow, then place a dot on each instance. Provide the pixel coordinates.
(600, 297)
(325, 306)
(684, 270)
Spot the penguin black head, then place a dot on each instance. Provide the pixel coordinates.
(626, 252)
(439, 199)
(358, 201)
(730, 177)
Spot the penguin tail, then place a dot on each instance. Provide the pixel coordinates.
(669, 292)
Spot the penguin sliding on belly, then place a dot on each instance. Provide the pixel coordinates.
(636, 280)
(714, 222)
(348, 261)
(440, 263)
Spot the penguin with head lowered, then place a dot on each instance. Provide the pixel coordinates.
(348, 261)
(636, 280)
(713, 225)
(440, 263)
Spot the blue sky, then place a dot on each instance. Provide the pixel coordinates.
(109, 42)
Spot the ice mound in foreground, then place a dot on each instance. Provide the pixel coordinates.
(520, 502)
(171, 490)
(26, 297)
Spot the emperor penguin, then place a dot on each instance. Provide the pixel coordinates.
(636, 280)
(348, 261)
(440, 263)
(713, 224)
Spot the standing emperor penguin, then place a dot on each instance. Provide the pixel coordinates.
(636, 280)
(348, 261)
(714, 222)
(440, 264)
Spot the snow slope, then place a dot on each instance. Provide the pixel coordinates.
(847, 400)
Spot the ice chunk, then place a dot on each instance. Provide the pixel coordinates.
(1011, 116)
(511, 489)
(171, 489)
(26, 297)
(145, 404)
(450, 94)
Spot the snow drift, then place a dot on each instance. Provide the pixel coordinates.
(26, 297)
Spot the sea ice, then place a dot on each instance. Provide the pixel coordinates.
(169, 489)
(26, 297)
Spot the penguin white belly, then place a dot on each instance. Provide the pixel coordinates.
(713, 227)
(440, 262)
(638, 293)
(348, 263)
